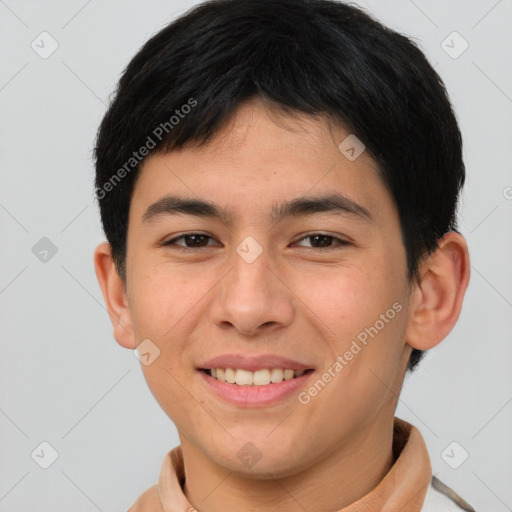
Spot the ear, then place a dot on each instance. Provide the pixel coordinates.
(436, 300)
(115, 296)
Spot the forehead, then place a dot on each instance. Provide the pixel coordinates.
(264, 160)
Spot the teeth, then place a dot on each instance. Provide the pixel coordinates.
(230, 375)
(243, 377)
(288, 374)
(276, 375)
(260, 377)
(257, 378)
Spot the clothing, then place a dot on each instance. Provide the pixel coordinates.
(408, 487)
(440, 498)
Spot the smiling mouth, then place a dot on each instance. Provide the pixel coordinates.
(263, 377)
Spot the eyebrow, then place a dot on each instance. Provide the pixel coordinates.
(332, 204)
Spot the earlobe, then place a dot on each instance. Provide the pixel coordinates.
(436, 301)
(114, 294)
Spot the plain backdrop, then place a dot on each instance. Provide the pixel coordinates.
(63, 378)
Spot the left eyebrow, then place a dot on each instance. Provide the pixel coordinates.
(303, 206)
(332, 203)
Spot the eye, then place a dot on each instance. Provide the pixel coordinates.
(191, 241)
(324, 241)
(196, 241)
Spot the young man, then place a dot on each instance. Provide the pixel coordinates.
(278, 183)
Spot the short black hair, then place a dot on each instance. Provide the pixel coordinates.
(316, 57)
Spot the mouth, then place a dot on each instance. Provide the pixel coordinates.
(254, 381)
(261, 377)
(257, 389)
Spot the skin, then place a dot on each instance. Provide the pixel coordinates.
(298, 299)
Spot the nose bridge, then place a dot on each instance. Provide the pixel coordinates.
(251, 295)
(252, 277)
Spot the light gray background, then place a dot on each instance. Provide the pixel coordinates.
(64, 379)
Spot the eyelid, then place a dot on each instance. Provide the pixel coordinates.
(340, 242)
(172, 241)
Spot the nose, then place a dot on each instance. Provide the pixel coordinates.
(252, 298)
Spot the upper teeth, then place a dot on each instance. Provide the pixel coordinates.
(257, 378)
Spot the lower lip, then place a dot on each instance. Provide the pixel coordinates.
(255, 396)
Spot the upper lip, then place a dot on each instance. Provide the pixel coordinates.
(252, 363)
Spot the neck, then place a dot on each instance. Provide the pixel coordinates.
(337, 480)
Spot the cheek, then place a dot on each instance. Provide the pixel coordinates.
(361, 314)
(343, 301)
(165, 312)
(164, 302)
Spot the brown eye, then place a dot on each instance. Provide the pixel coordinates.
(323, 241)
(195, 240)
(191, 241)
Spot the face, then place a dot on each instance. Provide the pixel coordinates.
(321, 283)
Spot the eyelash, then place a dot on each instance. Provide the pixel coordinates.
(339, 241)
